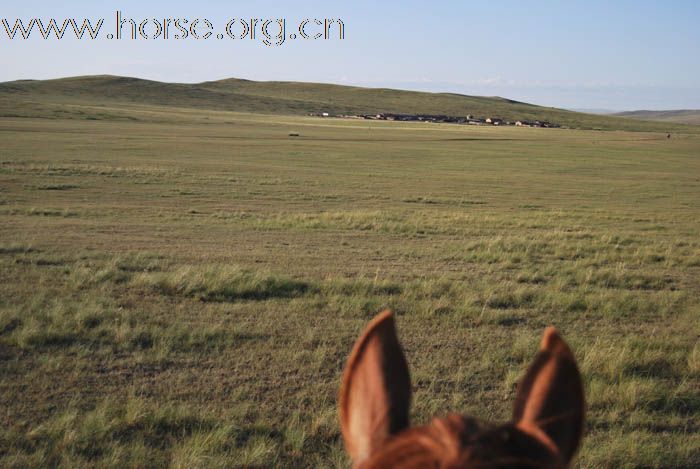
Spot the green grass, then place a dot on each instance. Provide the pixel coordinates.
(181, 287)
(682, 116)
(103, 97)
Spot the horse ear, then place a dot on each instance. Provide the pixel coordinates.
(375, 394)
(549, 401)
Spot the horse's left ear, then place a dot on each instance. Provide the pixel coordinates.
(549, 403)
(375, 395)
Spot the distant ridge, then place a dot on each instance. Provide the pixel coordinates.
(25, 98)
(594, 110)
(680, 116)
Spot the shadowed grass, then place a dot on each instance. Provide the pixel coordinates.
(133, 432)
(222, 283)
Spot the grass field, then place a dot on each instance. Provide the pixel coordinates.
(182, 287)
(103, 97)
(688, 116)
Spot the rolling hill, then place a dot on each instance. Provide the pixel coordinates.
(70, 97)
(683, 116)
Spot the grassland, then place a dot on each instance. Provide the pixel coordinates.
(104, 97)
(182, 287)
(685, 116)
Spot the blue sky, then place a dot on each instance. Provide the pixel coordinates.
(591, 54)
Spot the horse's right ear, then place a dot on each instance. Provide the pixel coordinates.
(549, 403)
(375, 395)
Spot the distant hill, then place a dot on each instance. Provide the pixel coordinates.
(683, 116)
(32, 98)
(593, 110)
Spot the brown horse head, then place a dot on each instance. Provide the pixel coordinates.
(375, 396)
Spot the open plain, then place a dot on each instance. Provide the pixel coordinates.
(182, 286)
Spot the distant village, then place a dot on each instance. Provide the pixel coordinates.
(464, 120)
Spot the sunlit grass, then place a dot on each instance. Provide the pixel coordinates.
(173, 296)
